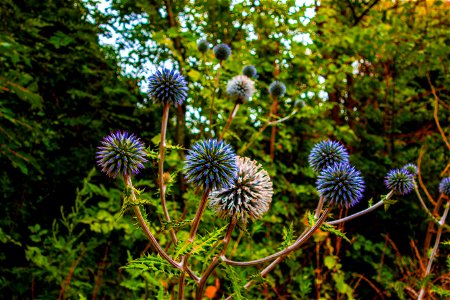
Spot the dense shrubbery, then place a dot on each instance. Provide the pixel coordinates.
(374, 76)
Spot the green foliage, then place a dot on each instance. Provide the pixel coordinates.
(355, 71)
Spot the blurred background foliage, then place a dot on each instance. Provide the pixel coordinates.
(372, 74)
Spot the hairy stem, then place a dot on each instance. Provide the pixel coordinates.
(162, 185)
(363, 212)
(143, 224)
(435, 248)
(273, 113)
(302, 239)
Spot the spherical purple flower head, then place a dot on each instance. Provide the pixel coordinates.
(411, 168)
(121, 153)
(327, 153)
(240, 88)
(277, 89)
(341, 184)
(444, 186)
(222, 51)
(167, 86)
(249, 71)
(249, 195)
(399, 180)
(202, 45)
(211, 164)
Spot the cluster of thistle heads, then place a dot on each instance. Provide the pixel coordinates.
(239, 187)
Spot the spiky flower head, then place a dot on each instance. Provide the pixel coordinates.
(249, 71)
(399, 180)
(121, 153)
(411, 168)
(277, 89)
(444, 186)
(222, 51)
(240, 88)
(211, 164)
(167, 86)
(202, 45)
(249, 195)
(341, 184)
(327, 153)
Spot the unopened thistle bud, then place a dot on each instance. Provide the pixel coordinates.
(249, 71)
(202, 45)
(249, 195)
(277, 89)
(399, 180)
(341, 184)
(222, 51)
(327, 153)
(121, 154)
(444, 186)
(167, 86)
(240, 88)
(411, 168)
(211, 164)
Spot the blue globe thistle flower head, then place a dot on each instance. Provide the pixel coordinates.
(399, 180)
(249, 195)
(341, 184)
(202, 45)
(240, 88)
(411, 168)
(211, 164)
(277, 89)
(444, 186)
(327, 153)
(121, 153)
(222, 51)
(167, 86)
(249, 71)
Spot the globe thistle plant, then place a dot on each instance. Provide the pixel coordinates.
(121, 153)
(202, 45)
(327, 153)
(240, 88)
(411, 168)
(341, 184)
(222, 51)
(249, 195)
(277, 89)
(249, 71)
(211, 164)
(444, 186)
(167, 86)
(399, 180)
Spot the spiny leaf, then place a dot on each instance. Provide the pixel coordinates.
(155, 264)
(288, 236)
(235, 280)
(173, 225)
(203, 244)
(388, 203)
(334, 230)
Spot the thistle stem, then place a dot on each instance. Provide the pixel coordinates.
(198, 215)
(162, 185)
(143, 224)
(273, 264)
(363, 212)
(273, 113)
(230, 118)
(300, 241)
(211, 111)
(216, 260)
(435, 248)
(424, 206)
